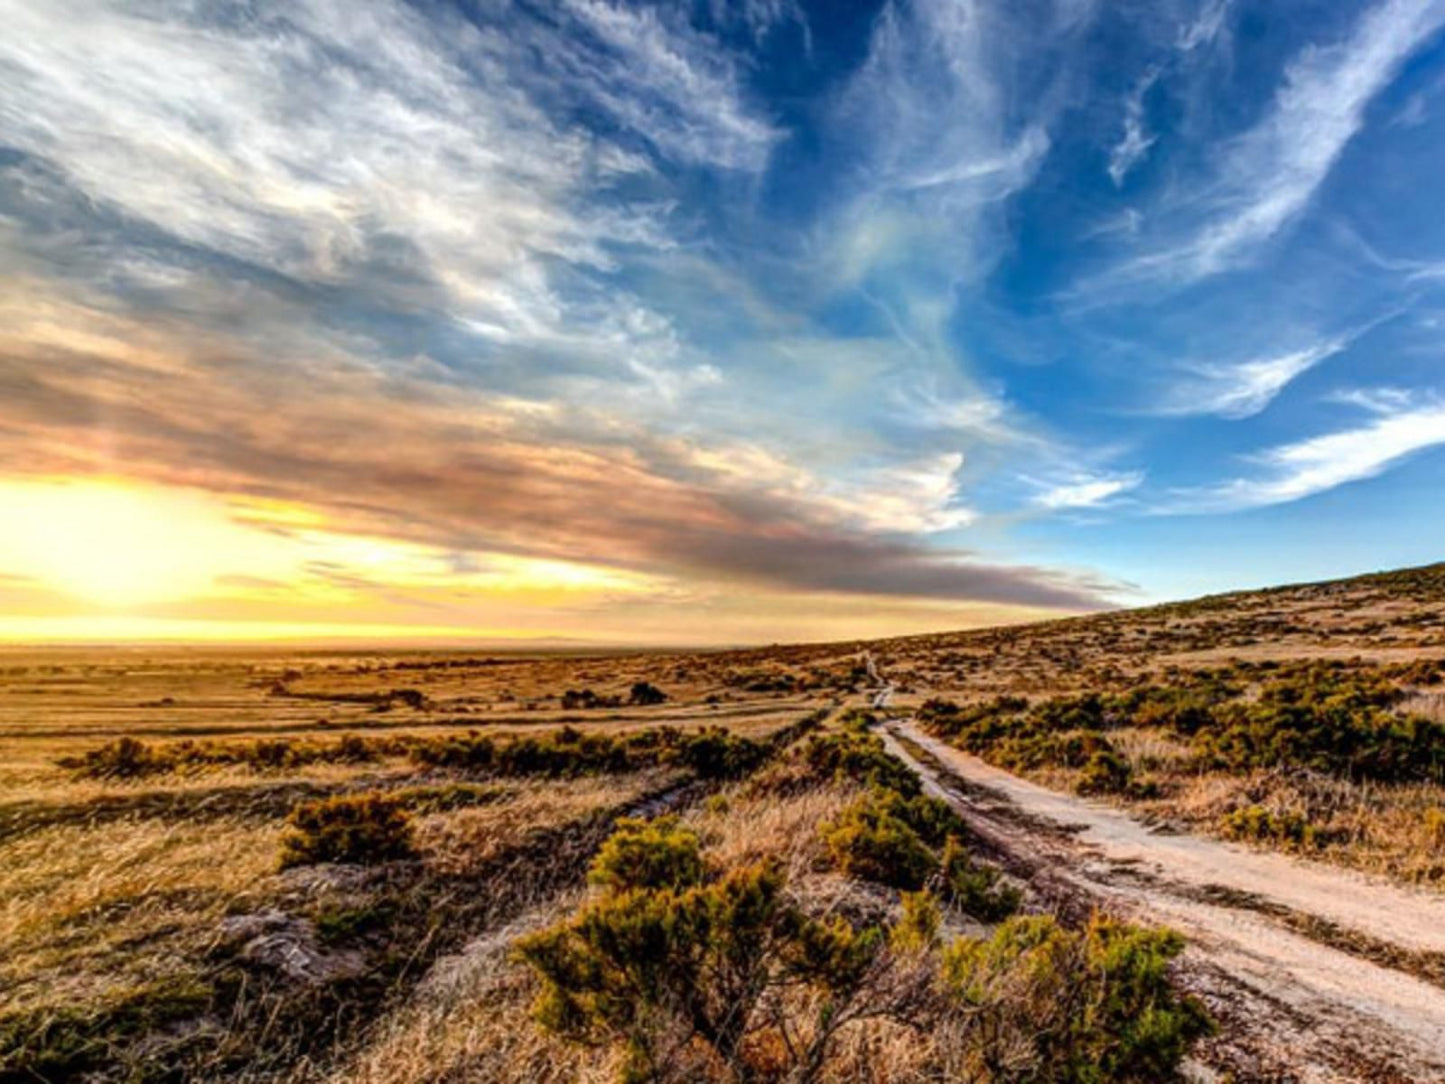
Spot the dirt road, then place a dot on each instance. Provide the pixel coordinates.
(1315, 974)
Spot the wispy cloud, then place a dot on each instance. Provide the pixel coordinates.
(1206, 26)
(1290, 472)
(362, 144)
(1243, 390)
(1270, 173)
(1083, 490)
(1134, 144)
(672, 84)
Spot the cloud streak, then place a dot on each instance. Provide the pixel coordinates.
(1314, 465)
(420, 463)
(1243, 390)
(1270, 173)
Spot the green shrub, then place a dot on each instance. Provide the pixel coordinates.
(659, 853)
(661, 972)
(1105, 773)
(1043, 1003)
(128, 758)
(1256, 824)
(360, 828)
(861, 757)
(870, 841)
(445, 797)
(917, 929)
(563, 752)
(857, 719)
(973, 887)
(124, 758)
(645, 693)
(467, 752)
(715, 753)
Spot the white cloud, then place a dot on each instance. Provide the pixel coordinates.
(1087, 490)
(1317, 464)
(1136, 141)
(1206, 25)
(673, 84)
(931, 111)
(367, 144)
(1269, 174)
(1243, 390)
(918, 497)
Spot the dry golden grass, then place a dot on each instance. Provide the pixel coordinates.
(1396, 830)
(466, 837)
(95, 915)
(470, 1020)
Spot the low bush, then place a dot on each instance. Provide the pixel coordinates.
(679, 977)
(1334, 717)
(445, 797)
(359, 828)
(861, 757)
(711, 753)
(124, 758)
(1105, 772)
(587, 700)
(659, 853)
(973, 887)
(128, 758)
(566, 751)
(1044, 1003)
(1257, 824)
(644, 694)
(715, 753)
(871, 841)
(917, 929)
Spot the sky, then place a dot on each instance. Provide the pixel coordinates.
(708, 322)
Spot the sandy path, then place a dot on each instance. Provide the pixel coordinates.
(1293, 1006)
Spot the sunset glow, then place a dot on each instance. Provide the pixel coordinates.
(708, 322)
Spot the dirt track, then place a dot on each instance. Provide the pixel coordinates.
(1315, 974)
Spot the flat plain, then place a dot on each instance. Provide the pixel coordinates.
(407, 865)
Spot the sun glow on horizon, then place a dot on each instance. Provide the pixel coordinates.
(115, 545)
(103, 559)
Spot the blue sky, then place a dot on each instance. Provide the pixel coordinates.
(775, 313)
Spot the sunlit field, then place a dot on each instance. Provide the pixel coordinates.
(271, 865)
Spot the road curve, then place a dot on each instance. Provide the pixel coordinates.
(1316, 974)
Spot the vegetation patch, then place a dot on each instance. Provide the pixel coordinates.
(1079, 1007)
(358, 828)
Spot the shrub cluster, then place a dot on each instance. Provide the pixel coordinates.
(1254, 823)
(870, 841)
(682, 966)
(710, 753)
(893, 834)
(698, 973)
(1062, 732)
(1075, 1007)
(563, 752)
(716, 753)
(586, 699)
(973, 887)
(853, 753)
(359, 828)
(1333, 717)
(643, 854)
(645, 693)
(129, 758)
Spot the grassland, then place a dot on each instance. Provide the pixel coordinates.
(308, 866)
